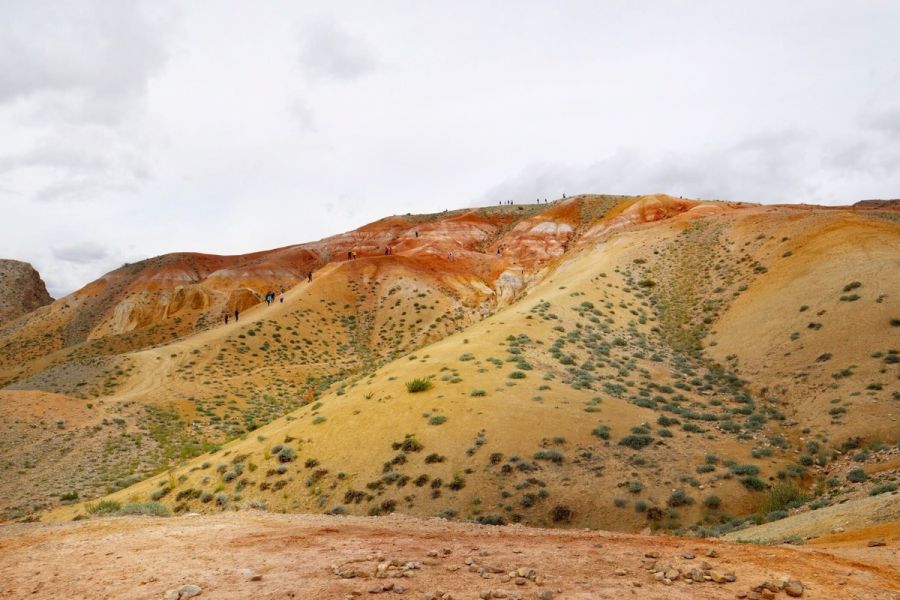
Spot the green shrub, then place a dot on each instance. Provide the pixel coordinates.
(601, 431)
(679, 498)
(551, 455)
(857, 476)
(517, 375)
(437, 420)
(712, 502)
(154, 509)
(418, 385)
(104, 507)
(783, 496)
(640, 506)
(745, 469)
(636, 442)
(883, 489)
(286, 454)
(477, 393)
(753, 483)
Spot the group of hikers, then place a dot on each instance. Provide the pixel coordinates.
(270, 298)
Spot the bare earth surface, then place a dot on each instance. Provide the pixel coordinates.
(265, 555)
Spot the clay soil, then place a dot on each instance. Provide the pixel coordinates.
(265, 555)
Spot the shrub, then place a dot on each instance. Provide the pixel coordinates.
(478, 393)
(883, 489)
(636, 442)
(745, 469)
(561, 514)
(154, 509)
(852, 286)
(437, 420)
(712, 502)
(753, 483)
(640, 506)
(635, 486)
(601, 431)
(679, 498)
(286, 454)
(517, 375)
(857, 476)
(104, 507)
(551, 455)
(620, 502)
(418, 385)
(783, 496)
(705, 469)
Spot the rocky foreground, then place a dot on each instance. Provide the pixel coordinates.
(263, 555)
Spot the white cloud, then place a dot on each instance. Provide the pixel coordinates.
(328, 51)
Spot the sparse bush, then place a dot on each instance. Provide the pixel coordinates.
(712, 502)
(636, 442)
(551, 455)
(418, 385)
(104, 507)
(883, 489)
(477, 393)
(517, 375)
(437, 420)
(679, 498)
(783, 496)
(857, 476)
(154, 509)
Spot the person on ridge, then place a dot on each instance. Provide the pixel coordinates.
(236, 314)
(309, 277)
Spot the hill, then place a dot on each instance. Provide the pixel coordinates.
(21, 290)
(621, 363)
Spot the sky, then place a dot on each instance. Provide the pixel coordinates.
(132, 129)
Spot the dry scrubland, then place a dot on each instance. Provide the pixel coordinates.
(622, 363)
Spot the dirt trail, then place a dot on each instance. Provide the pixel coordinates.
(265, 555)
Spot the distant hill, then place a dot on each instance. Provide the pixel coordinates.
(21, 290)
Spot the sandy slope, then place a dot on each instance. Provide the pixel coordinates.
(292, 556)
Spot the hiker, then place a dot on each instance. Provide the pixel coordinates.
(498, 250)
(309, 277)
(353, 254)
(226, 318)
(236, 314)
(450, 256)
(282, 296)
(417, 233)
(349, 255)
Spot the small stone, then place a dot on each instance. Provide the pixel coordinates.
(171, 595)
(521, 581)
(546, 595)
(793, 588)
(717, 577)
(767, 594)
(189, 590)
(375, 589)
(620, 572)
(877, 542)
(432, 553)
(687, 555)
(741, 595)
(711, 553)
(256, 578)
(499, 594)
(651, 554)
(672, 574)
(399, 589)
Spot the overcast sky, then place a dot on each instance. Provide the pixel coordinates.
(129, 130)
